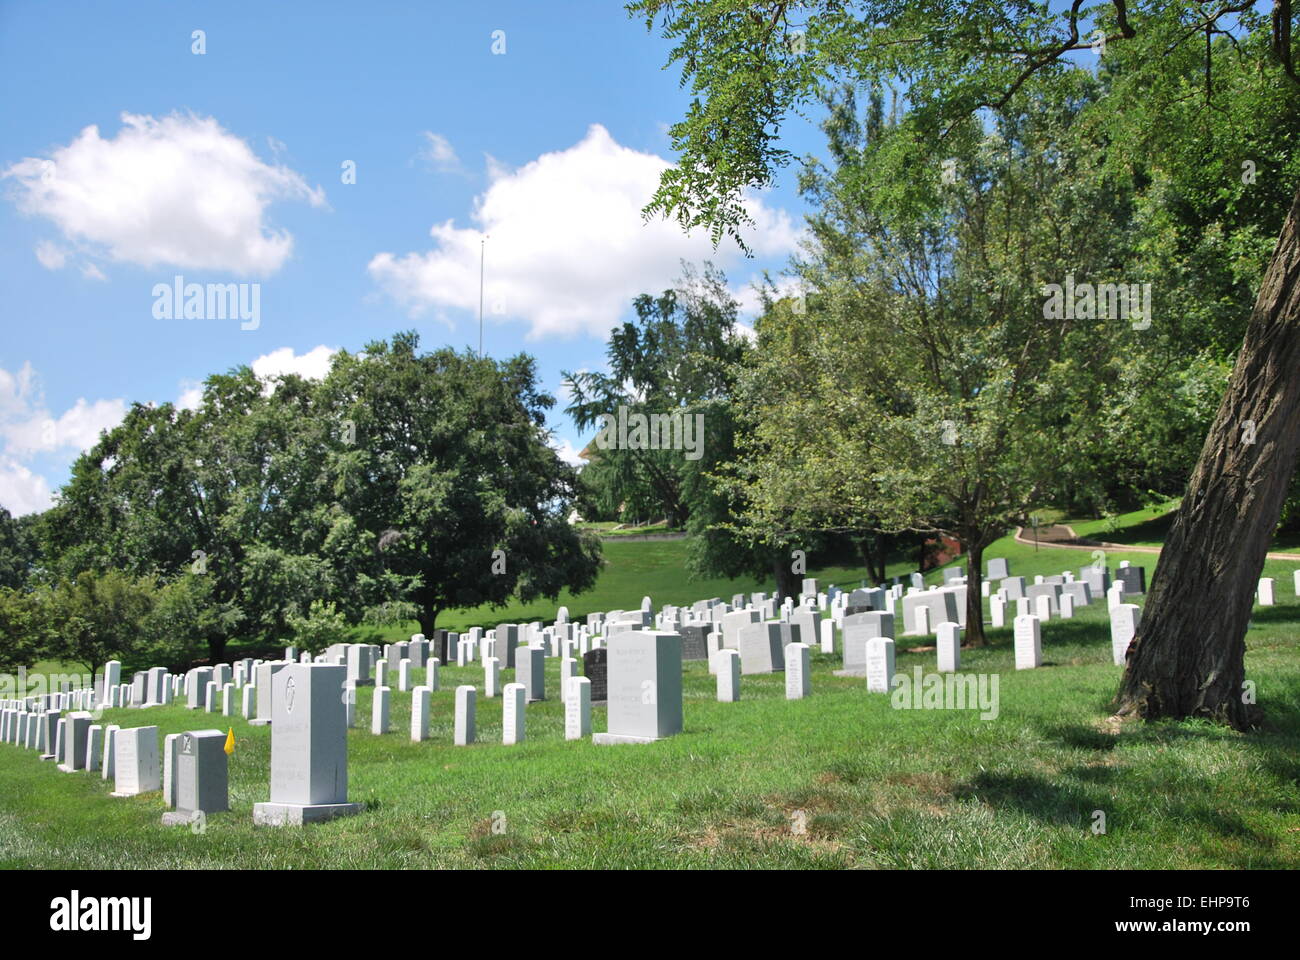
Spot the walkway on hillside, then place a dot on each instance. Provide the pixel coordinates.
(1061, 535)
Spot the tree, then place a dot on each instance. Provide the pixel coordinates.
(98, 617)
(673, 359)
(450, 478)
(24, 629)
(749, 70)
(18, 550)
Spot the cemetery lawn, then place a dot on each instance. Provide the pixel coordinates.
(876, 787)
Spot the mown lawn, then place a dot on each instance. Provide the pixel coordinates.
(871, 786)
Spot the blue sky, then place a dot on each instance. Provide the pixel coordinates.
(127, 159)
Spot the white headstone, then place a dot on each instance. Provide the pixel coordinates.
(1124, 622)
(948, 647)
(577, 708)
(135, 765)
(379, 710)
(1266, 591)
(420, 701)
(728, 670)
(309, 747)
(465, 704)
(798, 679)
(880, 664)
(1028, 642)
(512, 711)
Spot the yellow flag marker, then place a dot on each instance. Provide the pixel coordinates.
(230, 742)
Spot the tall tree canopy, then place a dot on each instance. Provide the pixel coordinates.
(750, 65)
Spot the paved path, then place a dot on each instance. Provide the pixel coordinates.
(1071, 541)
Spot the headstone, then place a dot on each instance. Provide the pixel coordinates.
(999, 569)
(1266, 591)
(761, 649)
(196, 687)
(728, 664)
(1014, 586)
(491, 677)
(595, 667)
(265, 673)
(1028, 642)
(1043, 607)
(1133, 578)
(202, 777)
(404, 675)
(309, 748)
(171, 747)
(577, 709)
(695, 644)
(420, 703)
(948, 647)
(135, 766)
(507, 640)
(880, 664)
(530, 671)
(109, 769)
(645, 688)
(512, 713)
(798, 674)
(998, 610)
(858, 629)
(74, 742)
(380, 710)
(1066, 603)
(94, 748)
(1124, 622)
(464, 732)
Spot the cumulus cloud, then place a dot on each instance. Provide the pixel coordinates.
(567, 247)
(29, 428)
(313, 364)
(21, 491)
(178, 191)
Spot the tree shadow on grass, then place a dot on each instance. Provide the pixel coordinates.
(1071, 799)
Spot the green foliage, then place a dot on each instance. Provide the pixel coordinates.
(96, 617)
(25, 632)
(319, 628)
(18, 549)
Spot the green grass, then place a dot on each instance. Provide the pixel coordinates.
(876, 787)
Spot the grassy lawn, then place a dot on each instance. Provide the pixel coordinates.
(875, 786)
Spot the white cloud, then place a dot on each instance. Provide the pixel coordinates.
(191, 395)
(178, 191)
(568, 453)
(51, 255)
(92, 272)
(567, 247)
(439, 154)
(21, 491)
(28, 427)
(313, 364)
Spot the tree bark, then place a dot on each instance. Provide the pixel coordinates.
(428, 620)
(785, 578)
(974, 600)
(1188, 657)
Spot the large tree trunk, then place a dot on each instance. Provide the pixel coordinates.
(1188, 657)
(428, 620)
(974, 600)
(787, 585)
